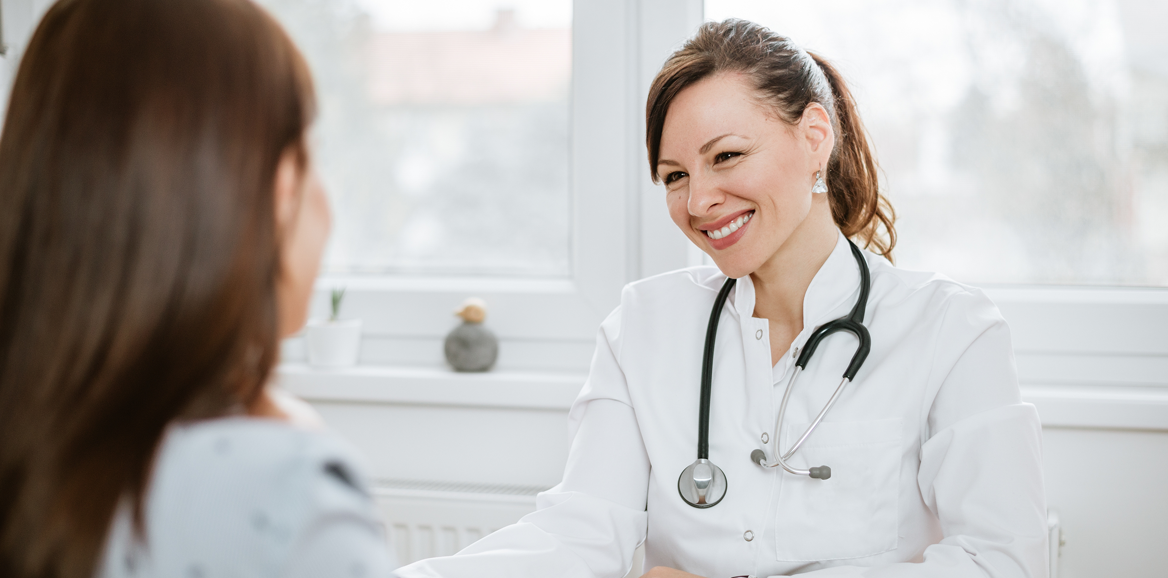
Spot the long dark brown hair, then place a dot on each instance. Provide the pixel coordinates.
(789, 79)
(138, 252)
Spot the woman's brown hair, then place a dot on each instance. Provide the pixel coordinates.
(788, 79)
(138, 252)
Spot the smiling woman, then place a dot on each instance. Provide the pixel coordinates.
(760, 171)
(788, 88)
(767, 170)
(753, 158)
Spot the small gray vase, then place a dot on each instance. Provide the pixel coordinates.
(471, 346)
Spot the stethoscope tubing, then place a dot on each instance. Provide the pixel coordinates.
(708, 370)
(703, 484)
(700, 478)
(780, 457)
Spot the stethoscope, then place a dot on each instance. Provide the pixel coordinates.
(703, 484)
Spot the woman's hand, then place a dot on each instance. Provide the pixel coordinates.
(665, 572)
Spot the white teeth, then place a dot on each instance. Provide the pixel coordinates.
(730, 228)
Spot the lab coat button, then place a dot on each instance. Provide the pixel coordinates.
(748, 536)
(758, 334)
(766, 439)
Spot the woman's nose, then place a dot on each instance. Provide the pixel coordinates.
(704, 195)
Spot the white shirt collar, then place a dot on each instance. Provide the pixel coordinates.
(831, 294)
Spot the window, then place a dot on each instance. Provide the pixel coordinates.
(443, 133)
(513, 191)
(1022, 141)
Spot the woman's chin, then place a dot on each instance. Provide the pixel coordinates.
(291, 322)
(735, 268)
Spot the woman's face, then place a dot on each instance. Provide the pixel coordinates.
(303, 219)
(734, 170)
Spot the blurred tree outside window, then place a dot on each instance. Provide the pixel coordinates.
(1021, 141)
(442, 132)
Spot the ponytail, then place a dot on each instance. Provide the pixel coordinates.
(789, 79)
(857, 206)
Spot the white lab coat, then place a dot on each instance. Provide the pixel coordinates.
(936, 461)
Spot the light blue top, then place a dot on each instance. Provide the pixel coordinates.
(245, 497)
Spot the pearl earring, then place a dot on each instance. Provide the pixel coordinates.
(820, 186)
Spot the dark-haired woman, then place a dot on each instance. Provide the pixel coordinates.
(161, 226)
(934, 460)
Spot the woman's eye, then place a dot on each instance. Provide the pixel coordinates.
(674, 177)
(725, 156)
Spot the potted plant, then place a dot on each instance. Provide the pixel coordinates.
(334, 342)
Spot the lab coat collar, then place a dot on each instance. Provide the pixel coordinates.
(830, 295)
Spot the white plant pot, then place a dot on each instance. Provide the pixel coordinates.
(333, 343)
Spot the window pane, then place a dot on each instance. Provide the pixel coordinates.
(443, 132)
(1022, 141)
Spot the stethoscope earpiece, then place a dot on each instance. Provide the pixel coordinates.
(819, 473)
(759, 457)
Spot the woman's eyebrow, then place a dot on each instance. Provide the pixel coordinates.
(706, 147)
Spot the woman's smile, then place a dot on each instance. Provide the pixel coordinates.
(724, 232)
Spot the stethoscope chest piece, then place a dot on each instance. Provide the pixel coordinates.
(702, 484)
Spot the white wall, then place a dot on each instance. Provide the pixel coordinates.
(1110, 488)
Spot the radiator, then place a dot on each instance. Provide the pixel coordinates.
(427, 519)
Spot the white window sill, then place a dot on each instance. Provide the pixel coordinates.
(1067, 406)
(1100, 407)
(432, 386)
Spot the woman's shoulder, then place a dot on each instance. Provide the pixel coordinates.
(660, 298)
(238, 493)
(703, 276)
(930, 293)
(247, 454)
(658, 301)
(692, 282)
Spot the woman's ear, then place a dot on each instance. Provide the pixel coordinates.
(302, 228)
(286, 190)
(816, 129)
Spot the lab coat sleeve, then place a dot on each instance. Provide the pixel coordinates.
(590, 524)
(980, 460)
